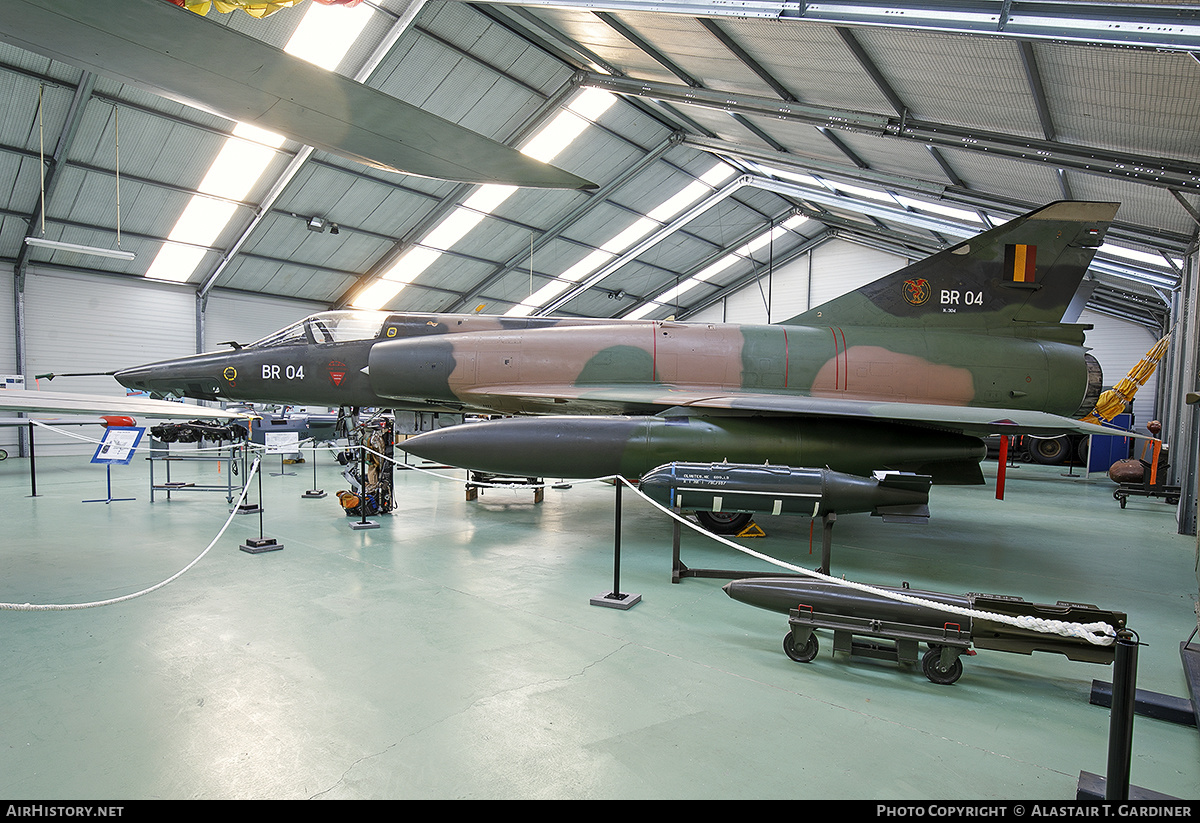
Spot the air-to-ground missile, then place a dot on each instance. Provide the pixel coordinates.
(818, 604)
(604, 445)
(735, 487)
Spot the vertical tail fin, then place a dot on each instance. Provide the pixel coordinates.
(1025, 271)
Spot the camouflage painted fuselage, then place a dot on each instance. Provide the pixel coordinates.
(645, 367)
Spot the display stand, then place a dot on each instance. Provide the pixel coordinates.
(283, 444)
(109, 498)
(616, 599)
(165, 457)
(482, 480)
(679, 570)
(314, 493)
(117, 446)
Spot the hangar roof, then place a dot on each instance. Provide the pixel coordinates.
(723, 139)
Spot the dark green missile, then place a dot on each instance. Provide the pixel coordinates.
(769, 489)
(630, 446)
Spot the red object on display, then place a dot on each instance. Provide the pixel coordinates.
(117, 420)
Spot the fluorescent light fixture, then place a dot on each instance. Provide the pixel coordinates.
(59, 245)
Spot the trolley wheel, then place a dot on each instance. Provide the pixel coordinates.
(3, 454)
(1122, 499)
(724, 522)
(931, 666)
(804, 655)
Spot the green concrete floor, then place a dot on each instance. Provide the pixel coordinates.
(453, 653)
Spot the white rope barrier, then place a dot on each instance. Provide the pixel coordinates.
(31, 607)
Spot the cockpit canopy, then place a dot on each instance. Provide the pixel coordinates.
(327, 327)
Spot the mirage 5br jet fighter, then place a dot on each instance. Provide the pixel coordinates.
(907, 373)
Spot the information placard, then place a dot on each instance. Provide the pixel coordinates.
(118, 444)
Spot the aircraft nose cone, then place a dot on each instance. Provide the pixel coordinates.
(194, 376)
(135, 378)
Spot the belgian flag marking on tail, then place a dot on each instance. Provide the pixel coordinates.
(1019, 262)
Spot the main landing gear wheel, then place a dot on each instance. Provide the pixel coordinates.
(931, 666)
(804, 655)
(1050, 452)
(723, 522)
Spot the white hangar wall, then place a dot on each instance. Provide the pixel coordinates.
(83, 322)
(249, 317)
(838, 266)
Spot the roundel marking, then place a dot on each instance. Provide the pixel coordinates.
(917, 291)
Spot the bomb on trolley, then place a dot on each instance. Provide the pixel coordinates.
(874, 625)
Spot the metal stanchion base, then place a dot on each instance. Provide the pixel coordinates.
(1091, 787)
(258, 545)
(359, 524)
(614, 600)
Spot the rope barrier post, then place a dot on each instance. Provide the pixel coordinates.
(615, 599)
(314, 493)
(247, 469)
(1120, 723)
(32, 465)
(260, 544)
(827, 521)
(1001, 465)
(677, 568)
(364, 523)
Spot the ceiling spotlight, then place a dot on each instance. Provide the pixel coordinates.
(316, 224)
(333, 228)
